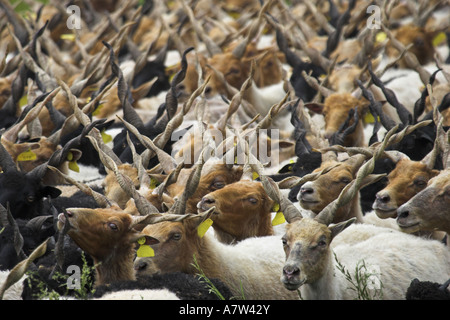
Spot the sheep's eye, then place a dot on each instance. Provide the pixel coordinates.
(322, 243)
(253, 200)
(113, 226)
(284, 241)
(420, 183)
(30, 198)
(176, 236)
(218, 185)
(345, 180)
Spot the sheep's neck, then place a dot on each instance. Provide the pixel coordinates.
(209, 260)
(351, 210)
(258, 226)
(325, 287)
(117, 267)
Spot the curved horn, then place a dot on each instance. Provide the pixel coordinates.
(6, 161)
(326, 216)
(290, 212)
(239, 50)
(19, 270)
(99, 198)
(179, 207)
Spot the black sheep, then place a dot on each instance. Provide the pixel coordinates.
(33, 233)
(185, 286)
(426, 290)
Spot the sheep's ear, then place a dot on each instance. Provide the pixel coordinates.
(51, 191)
(341, 226)
(143, 239)
(76, 154)
(314, 107)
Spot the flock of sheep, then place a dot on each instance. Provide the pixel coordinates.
(237, 149)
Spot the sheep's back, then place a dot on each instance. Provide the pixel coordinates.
(400, 258)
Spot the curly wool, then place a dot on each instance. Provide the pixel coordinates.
(426, 290)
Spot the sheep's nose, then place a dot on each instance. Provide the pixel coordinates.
(306, 190)
(402, 213)
(208, 200)
(68, 213)
(140, 265)
(291, 271)
(383, 197)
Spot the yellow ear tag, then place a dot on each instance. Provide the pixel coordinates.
(203, 227)
(255, 175)
(234, 15)
(27, 156)
(23, 101)
(368, 118)
(153, 183)
(279, 219)
(276, 207)
(145, 251)
(73, 165)
(70, 156)
(105, 137)
(68, 36)
(381, 36)
(439, 39)
(96, 112)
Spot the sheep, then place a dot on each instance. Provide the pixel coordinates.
(241, 266)
(135, 294)
(311, 267)
(23, 191)
(335, 110)
(316, 195)
(174, 282)
(117, 253)
(33, 232)
(10, 286)
(401, 247)
(243, 210)
(427, 209)
(426, 290)
(407, 179)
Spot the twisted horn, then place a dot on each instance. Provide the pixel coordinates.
(326, 216)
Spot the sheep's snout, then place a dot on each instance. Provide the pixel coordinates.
(206, 203)
(62, 219)
(384, 206)
(307, 193)
(382, 197)
(140, 265)
(403, 213)
(290, 272)
(407, 220)
(291, 277)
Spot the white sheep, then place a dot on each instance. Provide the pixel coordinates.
(162, 294)
(249, 268)
(392, 259)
